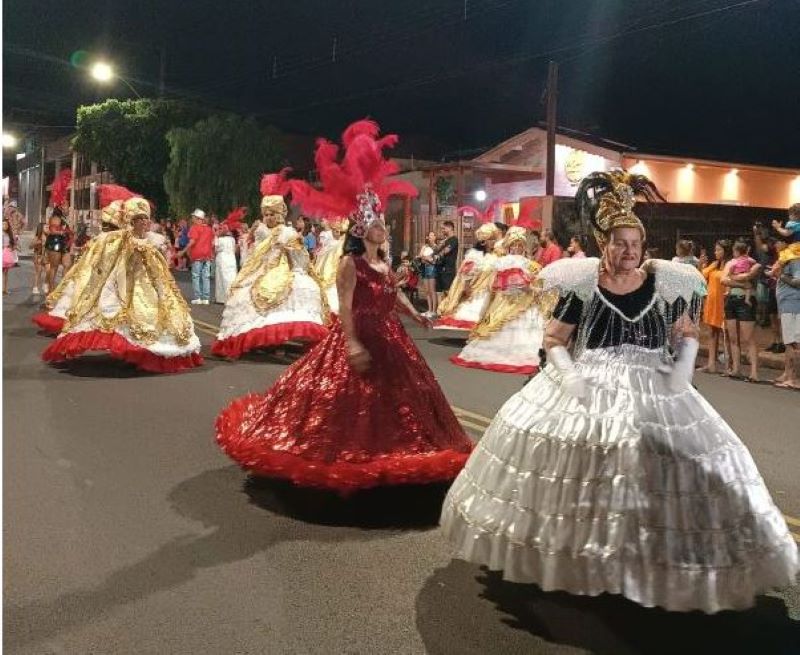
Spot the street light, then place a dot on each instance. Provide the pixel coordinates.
(480, 195)
(9, 140)
(103, 72)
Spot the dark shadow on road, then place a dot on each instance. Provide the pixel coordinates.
(235, 529)
(102, 366)
(479, 607)
(449, 342)
(397, 507)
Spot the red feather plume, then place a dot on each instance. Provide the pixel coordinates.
(342, 180)
(58, 192)
(108, 193)
(234, 219)
(275, 184)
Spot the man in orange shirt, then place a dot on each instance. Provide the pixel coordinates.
(201, 251)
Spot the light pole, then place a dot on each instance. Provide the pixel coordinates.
(9, 140)
(104, 73)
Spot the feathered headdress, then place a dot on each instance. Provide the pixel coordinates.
(234, 219)
(58, 192)
(486, 216)
(112, 201)
(274, 186)
(357, 185)
(606, 200)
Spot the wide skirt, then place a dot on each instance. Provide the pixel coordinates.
(639, 492)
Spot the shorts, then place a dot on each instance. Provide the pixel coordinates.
(428, 272)
(737, 309)
(444, 279)
(790, 328)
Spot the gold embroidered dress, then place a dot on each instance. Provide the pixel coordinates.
(122, 299)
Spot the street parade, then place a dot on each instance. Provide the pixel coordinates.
(372, 377)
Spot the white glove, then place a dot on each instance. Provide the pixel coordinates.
(679, 375)
(572, 382)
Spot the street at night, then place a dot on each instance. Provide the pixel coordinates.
(128, 531)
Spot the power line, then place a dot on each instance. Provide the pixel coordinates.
(515, 59)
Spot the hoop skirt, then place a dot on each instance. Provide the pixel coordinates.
(274, 299)
(125, 302)
(638, 490)
(324, 425)
(469, 294)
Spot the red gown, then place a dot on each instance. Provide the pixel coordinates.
(324, 425)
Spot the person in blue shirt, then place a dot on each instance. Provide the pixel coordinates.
(303, 227)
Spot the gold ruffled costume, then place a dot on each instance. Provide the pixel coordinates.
(474, 275)
(150, 305)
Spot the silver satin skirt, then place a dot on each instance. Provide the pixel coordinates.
(639, 492)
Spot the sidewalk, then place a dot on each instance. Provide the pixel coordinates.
(764, 340)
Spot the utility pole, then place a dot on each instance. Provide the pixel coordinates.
(162, 70)
(552, 95)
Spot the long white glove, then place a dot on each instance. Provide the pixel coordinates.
(572, 382)
(679, 375)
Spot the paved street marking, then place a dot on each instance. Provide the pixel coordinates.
(472, 415)
(207, 326)
(470, 424)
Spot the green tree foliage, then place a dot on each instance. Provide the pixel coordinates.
(217, 164)
(129, 138)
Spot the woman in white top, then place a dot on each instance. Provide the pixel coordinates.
(225, 247)
(428, 274)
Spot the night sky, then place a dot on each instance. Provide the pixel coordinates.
(725, 85)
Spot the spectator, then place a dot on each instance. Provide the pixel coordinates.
(428, 274)
(181, 243)
(9, 252)
(788, 295)
(791, 233)
(684, 253)
(766, 301)
(407, 277)
(713, 310)
(156, 237)
(303, 227)
(201, 252)
(575, 247)
(551, 251)
(446, 257)
(225, 263)
(39, 259)
(536, 246)
(702, 258)
(740, 314)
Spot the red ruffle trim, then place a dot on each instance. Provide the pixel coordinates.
(48, 323)
(269, 335)
(448, 322)
(340, 476)
(75, 344)
(498, 368)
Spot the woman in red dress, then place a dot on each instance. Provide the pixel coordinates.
(361, 409)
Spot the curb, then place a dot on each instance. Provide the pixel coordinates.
(765, 360)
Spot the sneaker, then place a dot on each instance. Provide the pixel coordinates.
(204, 302)
(197, 301)
(35, 291)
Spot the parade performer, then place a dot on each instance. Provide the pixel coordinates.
(57, 239)
(509, 335)
(122, 299)
(60, 300)
(276, 296)
(469, 294)
(362, 408)
(327, 262)
(609, 472)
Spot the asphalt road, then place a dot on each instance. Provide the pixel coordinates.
(127, 530)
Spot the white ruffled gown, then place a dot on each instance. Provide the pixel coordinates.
(225, 263)
(299, 312)
(512, 346)
(639, 491)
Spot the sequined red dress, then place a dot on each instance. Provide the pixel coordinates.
(324, 425)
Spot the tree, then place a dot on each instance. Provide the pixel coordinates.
(217, 164)
(129, 138)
